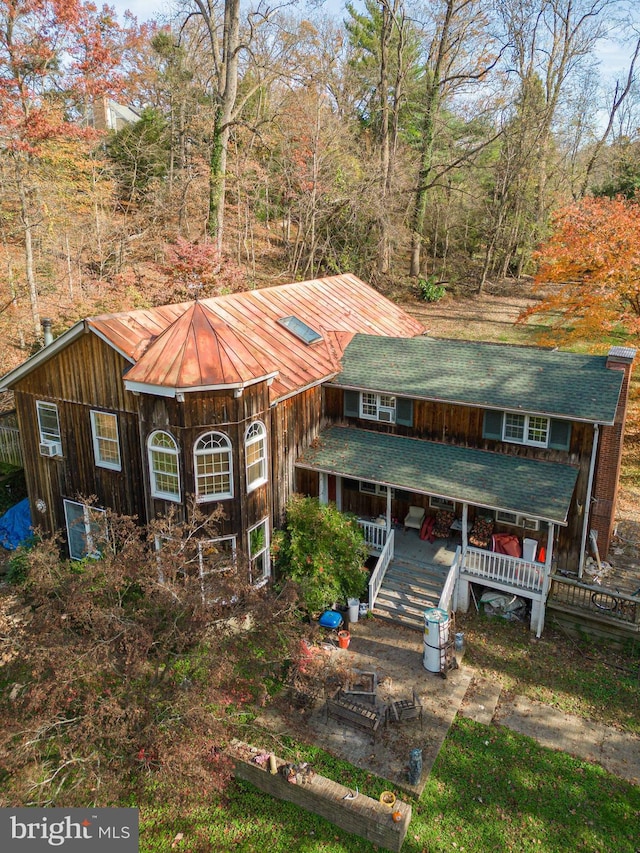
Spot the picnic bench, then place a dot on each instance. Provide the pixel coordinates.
(343, 708)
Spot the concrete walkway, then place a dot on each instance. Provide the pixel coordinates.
(616, 751)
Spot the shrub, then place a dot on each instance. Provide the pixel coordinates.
(323, 551)
(430, 290)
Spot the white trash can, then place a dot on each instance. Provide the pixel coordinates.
(354, 607)
(436, 635)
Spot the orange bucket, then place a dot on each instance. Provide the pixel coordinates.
(344, 638)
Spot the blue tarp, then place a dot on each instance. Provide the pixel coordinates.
(15, 525)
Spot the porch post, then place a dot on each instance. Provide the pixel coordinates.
(465, 515)
(323, 488)
(388, 507)
(545, 581)
(338, 493)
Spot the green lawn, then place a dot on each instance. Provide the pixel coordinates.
(594, 681)
(490, 790)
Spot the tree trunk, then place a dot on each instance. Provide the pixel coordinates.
(27, 225)
(227, 94)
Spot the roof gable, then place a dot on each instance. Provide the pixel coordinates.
(498, 376)
(234, 340)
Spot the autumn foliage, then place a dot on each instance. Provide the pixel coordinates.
(593, 259)
(134, 664)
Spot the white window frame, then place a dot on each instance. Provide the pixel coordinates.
(219, 449)
(441, 503)
(264, 550)
(528, 424)
(234, 552)
(48, 435)
(375, 489)
(516, 520)
(101, 442)
(155, 474)
(256, 434)
(88, 525)
(378, 407)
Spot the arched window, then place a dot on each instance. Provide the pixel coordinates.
(164, 468)
(213, 467)
(255, 445)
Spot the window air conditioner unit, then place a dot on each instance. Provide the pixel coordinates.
(50, 448)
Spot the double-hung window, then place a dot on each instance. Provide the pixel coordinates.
(49, 429)
(106, 444)
(164, 468)
(256, 455)
(378, 407)
(534, 430)
(86, 529)
(213, 467)
(526, 429)
(259, 552)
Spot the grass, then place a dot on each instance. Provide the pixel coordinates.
(578, 677)
(490, 789)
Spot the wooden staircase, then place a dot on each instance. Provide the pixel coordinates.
(408, 590)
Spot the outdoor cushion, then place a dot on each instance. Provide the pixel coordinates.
(481, 531)
(507, 543)
(444, 520)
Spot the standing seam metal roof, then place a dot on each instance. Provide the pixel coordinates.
(236, 338)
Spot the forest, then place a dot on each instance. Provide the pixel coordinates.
(425, 146)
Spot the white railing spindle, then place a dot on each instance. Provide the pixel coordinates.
(377, 576)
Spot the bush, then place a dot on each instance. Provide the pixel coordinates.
(430, 290)
(323, 551)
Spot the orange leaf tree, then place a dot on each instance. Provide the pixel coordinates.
(593, 256)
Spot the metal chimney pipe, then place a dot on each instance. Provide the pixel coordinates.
(46, 331)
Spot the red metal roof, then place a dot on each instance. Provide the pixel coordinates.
(236, 340)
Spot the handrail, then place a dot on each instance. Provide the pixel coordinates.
(377, 576)
(598, 601)
(375, 535)
(522, 574)
(446, 596)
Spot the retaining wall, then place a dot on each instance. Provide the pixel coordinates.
(361, 816)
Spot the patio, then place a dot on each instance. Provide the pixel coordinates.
(394, 654)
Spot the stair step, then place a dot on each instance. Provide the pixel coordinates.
(407, 591)
(417, 589)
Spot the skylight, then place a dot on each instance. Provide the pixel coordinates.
(300, 329)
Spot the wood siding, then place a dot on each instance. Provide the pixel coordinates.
(295, 424)
(197, 415)
(462, 425)
(84, 376)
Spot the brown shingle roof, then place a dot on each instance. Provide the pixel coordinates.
(234, 340)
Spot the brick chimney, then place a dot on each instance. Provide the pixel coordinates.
(610, 454)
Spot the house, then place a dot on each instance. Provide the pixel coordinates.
(106, 114)
(327, 388)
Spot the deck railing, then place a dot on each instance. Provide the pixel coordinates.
(446, 596)
(375, 535)
(10, 450)
(596, 600)
(377, 576)
(500, 568)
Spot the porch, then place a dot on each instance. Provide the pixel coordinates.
(385, 474)
(412, 575)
